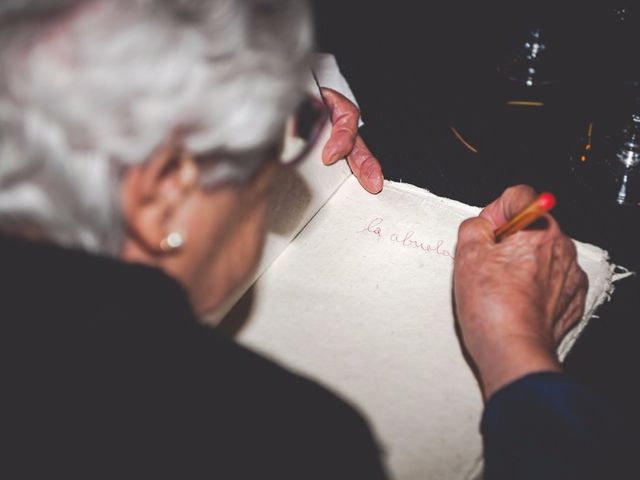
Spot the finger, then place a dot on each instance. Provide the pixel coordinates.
(512, 201)
(344, 117)
(553, 228)
(475, 237)
(551, 231)
(577, 279)
(474, 231)
(562, 263)
(575, 309)
(574, 280)
(365, 167)
(569, 319)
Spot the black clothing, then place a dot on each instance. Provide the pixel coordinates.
(107, 374)
(546, 426)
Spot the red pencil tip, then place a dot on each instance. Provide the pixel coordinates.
(546, 201)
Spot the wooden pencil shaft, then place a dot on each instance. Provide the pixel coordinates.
(520, 221)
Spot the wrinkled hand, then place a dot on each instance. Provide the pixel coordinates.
(515, 300)
(345, 142)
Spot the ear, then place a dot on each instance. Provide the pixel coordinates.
(153, 192)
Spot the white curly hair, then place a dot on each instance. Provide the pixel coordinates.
(89, 87)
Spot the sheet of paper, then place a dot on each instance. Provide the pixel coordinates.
(361, 302)
(328, 74)
(300, 193)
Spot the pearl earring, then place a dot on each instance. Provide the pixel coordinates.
(171, 242)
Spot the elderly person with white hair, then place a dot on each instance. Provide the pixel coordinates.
(149, 130)
(139, 144)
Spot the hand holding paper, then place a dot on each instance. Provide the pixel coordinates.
(346, 143)
(515, 300)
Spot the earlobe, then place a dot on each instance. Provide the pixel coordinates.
(172, 242)
(152, 196)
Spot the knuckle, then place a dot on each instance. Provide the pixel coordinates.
(346, 121)
(520, 189)
(466, 228)
(343, 108)
(361, 151)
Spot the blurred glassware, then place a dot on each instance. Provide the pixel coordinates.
(606, 161)
(606, 158)
(514, 100)
(528, 66)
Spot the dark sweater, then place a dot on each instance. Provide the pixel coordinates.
(107, 374)
(546, 426)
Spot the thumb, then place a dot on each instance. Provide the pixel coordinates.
(476, 231)
(512, 201)
(344, 117)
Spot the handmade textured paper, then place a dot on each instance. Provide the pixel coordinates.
(300, 193)
(361, 301)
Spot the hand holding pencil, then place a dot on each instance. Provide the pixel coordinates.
(516, 296)
(517, 208)
(532, 212)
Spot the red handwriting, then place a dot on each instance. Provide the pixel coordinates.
(407, 239)
(374, 227)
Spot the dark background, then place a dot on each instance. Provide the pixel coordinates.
(419, 69)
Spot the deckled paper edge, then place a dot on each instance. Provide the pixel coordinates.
(616, 273)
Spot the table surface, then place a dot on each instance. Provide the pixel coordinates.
(416, 76)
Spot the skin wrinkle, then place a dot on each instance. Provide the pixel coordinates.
(361, 156)
(512, 327)
(563, 263)
(575, 295)
(368, 168)
(346, 142)
(345, 137)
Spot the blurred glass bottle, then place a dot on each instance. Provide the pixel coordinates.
(509, 112)
(528, 68)
(606, 156)
(607, 159)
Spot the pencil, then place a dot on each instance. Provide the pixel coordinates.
(541, 205)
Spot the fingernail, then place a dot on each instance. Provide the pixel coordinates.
(332, 154)
(335, 157)
(377, 183)
(328, 154)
